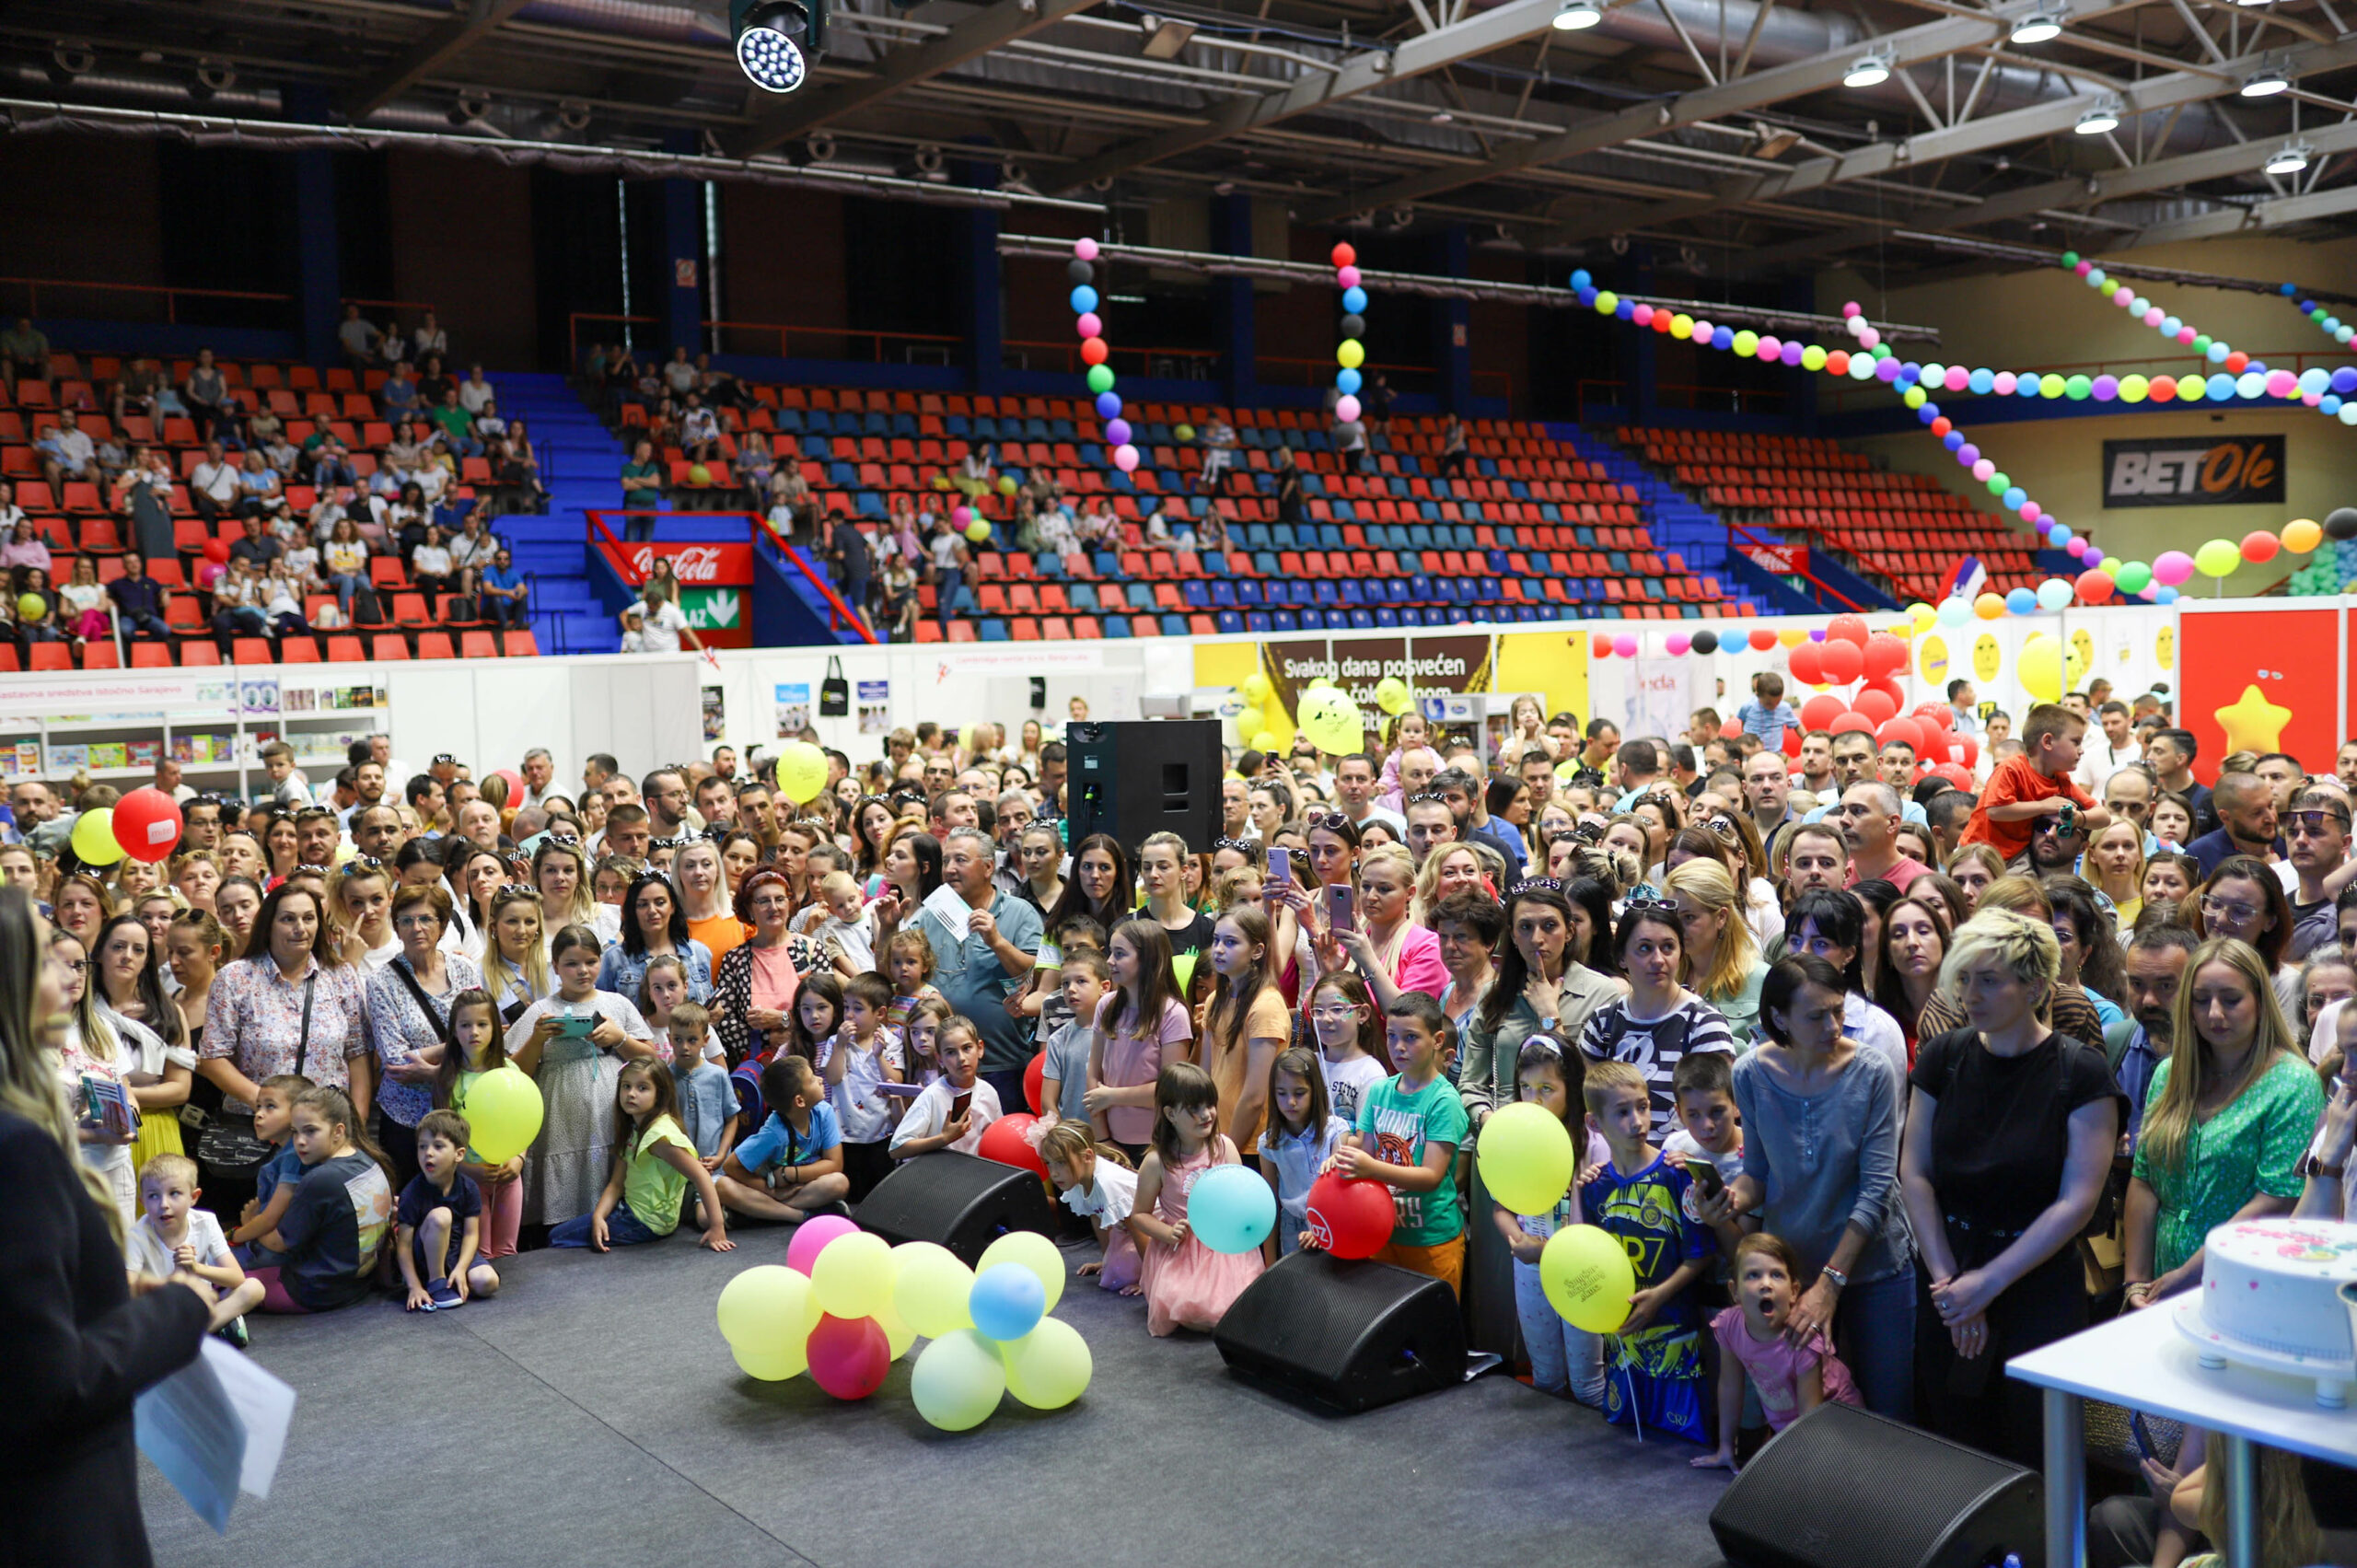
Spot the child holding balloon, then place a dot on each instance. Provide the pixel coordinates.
(1409, 1129)
(1655, 1379)
(1098, 1184)
(1564, 1359)
(1299, 1140)
(475, 1031)
(1186, 1284)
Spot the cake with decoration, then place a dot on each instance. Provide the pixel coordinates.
(2269, 1292)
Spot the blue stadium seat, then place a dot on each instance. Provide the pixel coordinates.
(1228, 620)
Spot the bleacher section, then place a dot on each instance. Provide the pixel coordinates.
(1899, 530)
(1531, 532)
(78, 522)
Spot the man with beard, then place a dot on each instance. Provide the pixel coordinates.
(2157, 959)
(2245, 805)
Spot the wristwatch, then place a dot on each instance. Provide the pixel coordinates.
(1840, 1281)
(2313, 1166)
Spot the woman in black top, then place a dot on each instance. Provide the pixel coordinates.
(83, 1344)
(2009, 1133)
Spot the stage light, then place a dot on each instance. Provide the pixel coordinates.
(1164, 37)
(1868, 71)
(776, 40)
(2038, 27)
(2291, 157)
(1774, 141)
(2265, 82)
(1574, 15)
(2095, 121)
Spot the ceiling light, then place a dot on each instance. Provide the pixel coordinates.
(776, 40)
(1164, 35)
(2291, 157)
(2097, 122)
(1576, 15)
(2038, 27)
(1442, 117)
(2265, 82)
(1868, 71)
(1774, 141)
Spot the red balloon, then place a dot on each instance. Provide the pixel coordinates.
(1793, 738)
(1875, 704)
(1820, 711)
(1843, 662)
(1936, 713)
(1960, 777)
(1900, 731)
(1971, 748)
(1762, 639)
(1093, 351)
(1886, 655)
(849, 1356)
(217, 552)
(2260, 546)
(1808, 664)
(1889, 688)
(1350, 1217)
(1035, 1078)
(1008, 1141)
(1849, 722)
(1730, 729)
(2094, 586)
(1847, 629)
(147, 824)
(1344, 255)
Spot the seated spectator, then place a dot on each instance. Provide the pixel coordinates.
(430, 563)
(205, 395)
(346, 558)
(10, 513)
(700, 431)
(679, 375)
(433, 382)
(899, 618)
(503, 592)
(1218, 438)
(25, 546)
(397, 396)
(456, 423)
(67, 453)
(136, 390)
(754, 465)
(24, 350)
(140, 599)
(259, 494)
(332, 465)
(429, 339)
(473, 546)
(257, 549)
(475, 394)
(38, 624)
(282, 602)
(489, 425)
(359, 339)
(237, 603)
(212, 485)
(406, 519)
(395, 349)
(84, 607)
(643, 482)
(719, 388)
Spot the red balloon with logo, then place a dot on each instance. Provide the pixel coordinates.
(1348, 1216)
(1010, 1140)
(1843, 662)
(1851, 629)
(147, 824)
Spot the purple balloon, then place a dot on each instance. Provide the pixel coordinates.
(1116, 432)
(1967, 454)
(1109, 405)
(1817, 636)
(1791, 355)
(2106, 388)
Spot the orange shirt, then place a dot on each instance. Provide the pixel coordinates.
(723, 934)
(2011, 781)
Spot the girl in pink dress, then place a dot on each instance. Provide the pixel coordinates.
(1187, 1284)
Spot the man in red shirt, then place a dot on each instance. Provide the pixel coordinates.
(2036, 784)
(1868, 812)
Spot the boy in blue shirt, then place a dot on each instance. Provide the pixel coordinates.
(793, 1167)
(1655, 1374)
(275, 1181)
(1768, 716)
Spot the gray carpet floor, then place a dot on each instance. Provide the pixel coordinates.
(591, 1415)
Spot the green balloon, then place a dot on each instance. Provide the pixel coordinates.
(1998, 484)
(1100, 377)
(2133, 579)
(2201, 342)
(2077, 387)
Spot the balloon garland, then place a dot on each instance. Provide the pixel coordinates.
(1095, 351)
(1351, 353)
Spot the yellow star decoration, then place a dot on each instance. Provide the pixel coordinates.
(2252, 722)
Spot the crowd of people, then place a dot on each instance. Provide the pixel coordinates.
(1879, 1081)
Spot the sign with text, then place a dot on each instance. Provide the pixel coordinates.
(1430, 666)
(2193, 472)
(1784, 560)
(697, 565)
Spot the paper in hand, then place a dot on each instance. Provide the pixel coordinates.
(215, 1428)
(949, 907)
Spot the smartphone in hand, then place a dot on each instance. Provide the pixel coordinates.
(1280, 864)
(1342, 907)
(1706, 1177)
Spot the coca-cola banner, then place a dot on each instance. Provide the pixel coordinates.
(1429, 665)
(697, 565)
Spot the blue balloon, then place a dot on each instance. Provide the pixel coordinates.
(1723, 337)
(2329, 404)
(1910, 373)
(1587, 296)
(2344, 380)
(1084, 300)
(2216, 353)
(1982, 381)
(2314, 380)
(1581, 279)
(1347, 380)
(1928, 412)
(2256, 367)
(1952, 440)
(2167, 595)
(2013, 498)
(2021, 601)
(1007, 1301)
(1355, 301)
(1109, 405)
(1625, 310)
(2061, 537)
(2290, 289)
(2220, 387)
(2026, 387)
(1230, 1208)
(2171, 326)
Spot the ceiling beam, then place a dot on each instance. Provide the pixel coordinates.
(994, 27)
(474, 21)
(1931, 41)
(1364, 72)
(2248, 220)
(2031, 122)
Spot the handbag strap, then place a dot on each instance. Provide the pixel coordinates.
(303, 1041)
(424, 1002)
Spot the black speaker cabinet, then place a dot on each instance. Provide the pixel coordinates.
(963, 1202)
(1348, 1335)
(1134, 778)
(1842, 1488)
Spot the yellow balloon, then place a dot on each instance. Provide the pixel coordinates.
(1989, 607)
(802, 772)
(897, 1333)
(931, 1288)
(2040, 668)
(1391, 695)
(956, 1382)
(1255, 689)
(1048, 1367)
(1251, 721)
(1921, 614)
(1035, 1252)
(1350, 355)
(94, 841)
(1792, 636)
(1333, 721)
(1587, 1278)
(1525, 1157)
(773, 1363)
(765, 1306)
(853, 1276)
(503, 1110)
(1264, 740)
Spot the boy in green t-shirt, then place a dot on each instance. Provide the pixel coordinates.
(1409, 1127)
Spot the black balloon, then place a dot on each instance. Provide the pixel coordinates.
(1354, 326)
(1706, 642)
(2340, 523)
(1080, 272)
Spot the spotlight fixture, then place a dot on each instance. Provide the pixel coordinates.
(2290, 158)
(2038, 27)
(467, 108)
(2265, 82)
(2102, 118)
(1164, 35)
(69, 60)
(1573, 15)
(1868, 71)
(776, 40)
(1773, 141)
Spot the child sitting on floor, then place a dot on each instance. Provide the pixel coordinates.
(654, 1166)
(438, 1228)
(793, 1166)
(276, 1181)
(1655, 1375)
(1098, 1184)
(174, 1237)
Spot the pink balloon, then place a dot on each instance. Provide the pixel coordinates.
(1084, 247)
(1678, 642)
(1125, 458)
(1346, 277)
(1642, 316)
(1848, 310)
(2032, 511)
(2005, 383)
(2155, 316)
(2280, 383)
(812, 1238)
(1346, 408)
(1958, 378)
(1625, 646)
(1090, 325)
(2172, 567)
(1869, 338)
(1983, 469)
(2186, 336)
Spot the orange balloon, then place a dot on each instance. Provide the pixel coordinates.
(2302, 535)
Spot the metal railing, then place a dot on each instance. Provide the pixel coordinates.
(786, 340)
(1743, 535)
(22, 297)
(1692, 396)
(757, 530)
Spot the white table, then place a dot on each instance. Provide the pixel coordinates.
(2141, 1361)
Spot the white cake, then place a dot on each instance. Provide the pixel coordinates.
(2271, 1286)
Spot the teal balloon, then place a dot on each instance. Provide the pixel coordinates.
(2021, 601)
(1084, 300)
(1231, 1209)
(1007, 1301)
(1955, 613)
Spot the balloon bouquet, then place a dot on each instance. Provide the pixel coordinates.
(845, 1304)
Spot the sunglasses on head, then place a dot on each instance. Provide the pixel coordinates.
(1540, 885)
(518, 889)
(1241, 846)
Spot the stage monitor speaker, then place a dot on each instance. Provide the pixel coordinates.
(962, 1203)
(1135, 778)
(1842, 1488)
(1349, 1335)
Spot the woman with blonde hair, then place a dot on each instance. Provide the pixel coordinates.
(2227, 1119)
(1972, 868)
(568, 891)
(1723, 965)
(2115, 865)
(2065, 1006)
(1446, 870)
(1392, 952)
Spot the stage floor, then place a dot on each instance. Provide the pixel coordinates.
(592, 1415)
